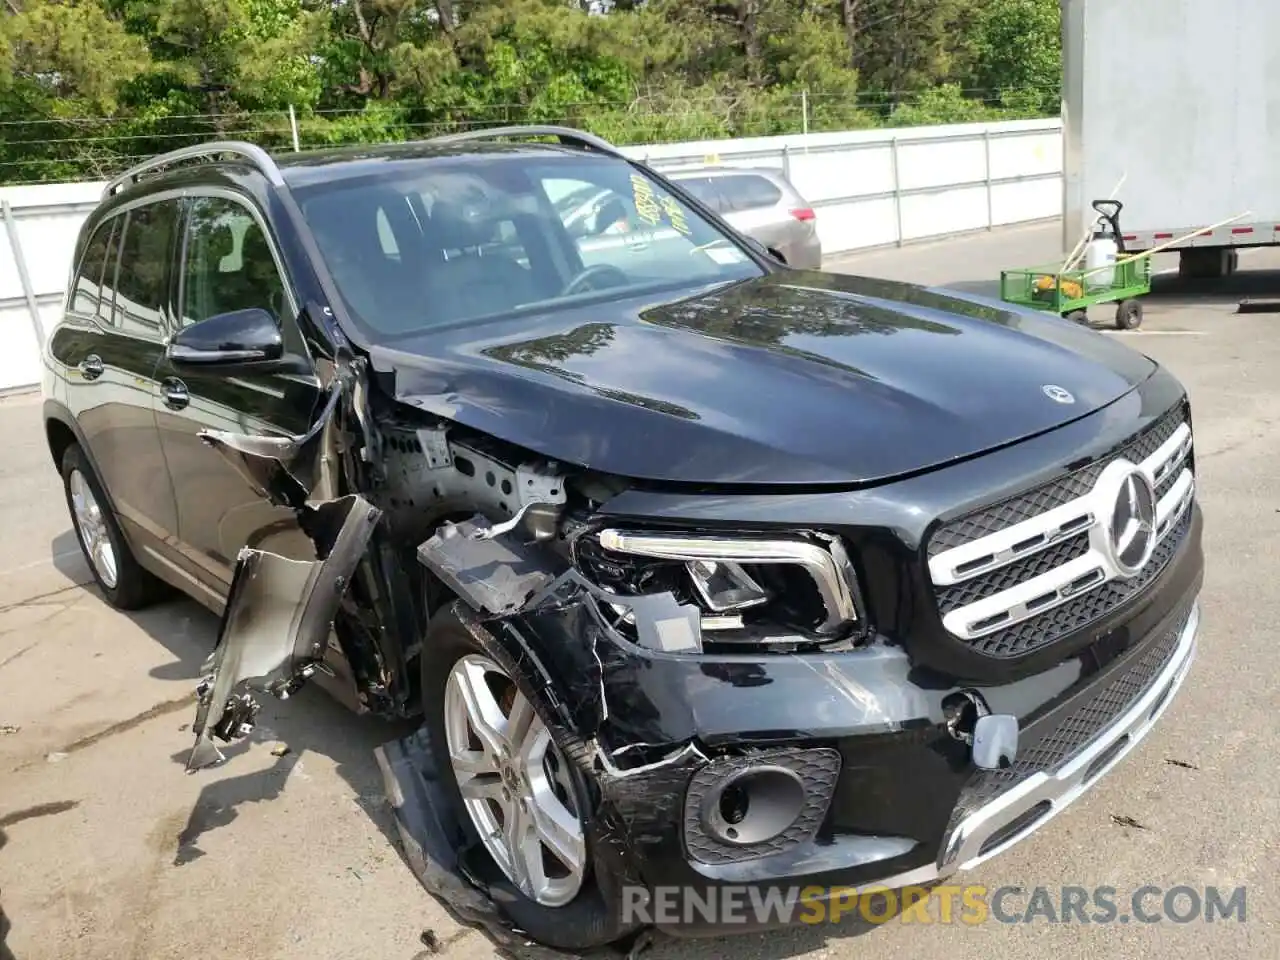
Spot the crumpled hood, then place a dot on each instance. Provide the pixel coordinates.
(793, 378)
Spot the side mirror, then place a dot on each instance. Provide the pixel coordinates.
(239, 336)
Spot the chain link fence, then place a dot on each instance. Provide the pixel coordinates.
(60, 149)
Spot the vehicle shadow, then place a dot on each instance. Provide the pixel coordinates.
(1173, 290)
(797, 940)
(309, 723)
(5, 953)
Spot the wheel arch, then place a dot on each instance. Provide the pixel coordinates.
(62, 430)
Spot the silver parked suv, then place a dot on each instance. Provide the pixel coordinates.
(761, 203)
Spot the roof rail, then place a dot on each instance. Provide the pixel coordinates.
(246, 151)
(567, 135)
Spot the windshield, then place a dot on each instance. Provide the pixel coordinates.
(425, 244)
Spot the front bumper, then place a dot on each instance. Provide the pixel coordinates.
(995, 810)
(994, 826)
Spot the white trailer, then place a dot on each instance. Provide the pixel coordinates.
(1181, 98)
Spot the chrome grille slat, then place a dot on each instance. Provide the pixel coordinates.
(1021, 572)
(1064, 489)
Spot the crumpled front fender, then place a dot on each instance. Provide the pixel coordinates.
(277, 621)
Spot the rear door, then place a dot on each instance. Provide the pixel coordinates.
(111, 344)
(229, 261)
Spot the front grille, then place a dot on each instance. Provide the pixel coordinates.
(1062, 490)
(1020, 571)
(1075, 731)
(982, 568)
(1081, 611)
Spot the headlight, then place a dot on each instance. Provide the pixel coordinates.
(800, 581)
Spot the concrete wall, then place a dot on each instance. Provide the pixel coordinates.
(869, 188)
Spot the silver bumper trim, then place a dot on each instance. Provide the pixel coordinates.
(962, 848)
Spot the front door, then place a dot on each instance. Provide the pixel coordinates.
(229, 262)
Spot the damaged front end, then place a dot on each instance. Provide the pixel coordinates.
(715, 689)
(279, 617)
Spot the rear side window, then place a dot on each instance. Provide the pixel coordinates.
(142, 286)
(748, 192)
(704, 188)
(88, 300)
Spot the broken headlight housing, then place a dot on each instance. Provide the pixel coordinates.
(750, 583)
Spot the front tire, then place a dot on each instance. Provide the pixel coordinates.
(514, 790)
(125, 584)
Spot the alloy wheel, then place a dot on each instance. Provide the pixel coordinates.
(91, 525)
(514, 782)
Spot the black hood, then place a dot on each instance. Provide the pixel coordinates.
(793, 378)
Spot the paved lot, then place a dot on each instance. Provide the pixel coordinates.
(111, 851)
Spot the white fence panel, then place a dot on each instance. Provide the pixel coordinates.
(869, 188)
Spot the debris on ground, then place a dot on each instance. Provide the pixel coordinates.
(1181, 763)
(8, 728)
(281, 750)
(429, 940)
(1127, 822)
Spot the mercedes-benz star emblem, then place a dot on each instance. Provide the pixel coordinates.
(1133, 524)
(1057, 393)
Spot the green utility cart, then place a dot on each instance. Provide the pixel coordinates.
(1070, 294)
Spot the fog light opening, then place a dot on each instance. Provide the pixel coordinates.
(754, 805)
(734, 804)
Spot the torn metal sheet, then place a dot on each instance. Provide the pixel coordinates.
(276, 624)
(283, 470)
(497, 576)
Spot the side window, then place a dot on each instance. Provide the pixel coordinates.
(228, 263)
(88, 299)
(747, 192)
(142, 285)
(705, 190)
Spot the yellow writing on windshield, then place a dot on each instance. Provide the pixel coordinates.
(651, 210)
(647, 208)
(675, 214)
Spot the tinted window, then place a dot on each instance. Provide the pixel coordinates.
(229, 264)
(88, 285)
(746, 192)
(704, 189)
(142, 289)
(473, 240)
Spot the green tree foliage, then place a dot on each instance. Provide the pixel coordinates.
(86, 86)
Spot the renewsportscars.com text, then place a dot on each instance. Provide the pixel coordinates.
(970, 905)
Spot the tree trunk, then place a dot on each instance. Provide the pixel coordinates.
(748, 12)
(448, 19)
(851, 18)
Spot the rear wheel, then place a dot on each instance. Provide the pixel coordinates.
(125, 584)
(1129, 315)
(515, 792)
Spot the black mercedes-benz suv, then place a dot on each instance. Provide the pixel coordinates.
(700, 570)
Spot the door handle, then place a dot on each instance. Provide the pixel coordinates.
(174, 393)
(91, 367)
